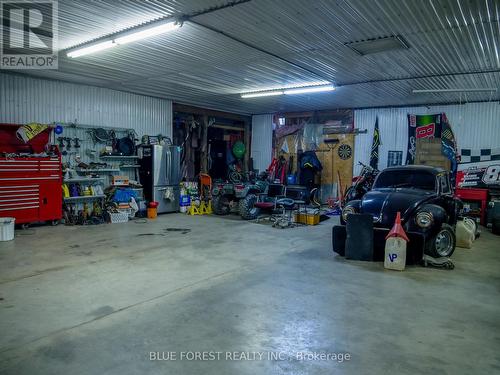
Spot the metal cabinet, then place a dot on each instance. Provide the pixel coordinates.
(30, 189)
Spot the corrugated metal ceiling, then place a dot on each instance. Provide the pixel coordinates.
(203, 67)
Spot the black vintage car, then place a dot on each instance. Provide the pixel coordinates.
(424, 198)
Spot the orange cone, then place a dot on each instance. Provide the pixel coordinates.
(397, 230)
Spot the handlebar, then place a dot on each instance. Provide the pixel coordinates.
(368, 167)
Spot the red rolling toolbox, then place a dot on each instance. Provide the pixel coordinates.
(478, 195)
(31, 189)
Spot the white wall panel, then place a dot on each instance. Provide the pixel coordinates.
(24, 99)
(262, 141)
(476, 125)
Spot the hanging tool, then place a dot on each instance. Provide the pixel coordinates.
(68, 143)
(61, 145)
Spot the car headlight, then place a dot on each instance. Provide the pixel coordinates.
(347, 211)
(424, 219)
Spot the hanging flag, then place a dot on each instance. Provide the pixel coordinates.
(375, 144)
(422, 126)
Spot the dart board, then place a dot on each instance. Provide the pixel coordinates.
(344, 151)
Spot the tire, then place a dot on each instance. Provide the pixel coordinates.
(495, 225)
(443, 243)
(247, 209)
(235, 177)
(220, 205)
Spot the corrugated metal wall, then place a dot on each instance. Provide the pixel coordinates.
(25, 99)
(476, 125)
(262, 141)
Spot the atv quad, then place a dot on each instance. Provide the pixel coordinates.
(228, 196)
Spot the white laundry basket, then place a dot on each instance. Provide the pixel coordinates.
(7, 228)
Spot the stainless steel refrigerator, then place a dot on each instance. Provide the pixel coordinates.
(159, 175)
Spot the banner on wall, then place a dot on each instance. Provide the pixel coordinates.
(480, 177)
(421, 126)
(375, 144)
(432, 126)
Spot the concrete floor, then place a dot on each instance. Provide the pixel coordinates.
(98, 300)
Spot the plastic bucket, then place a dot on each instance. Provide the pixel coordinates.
(152, 212)
(7, 228)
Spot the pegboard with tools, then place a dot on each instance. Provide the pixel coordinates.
(94, 161)
(89, 150)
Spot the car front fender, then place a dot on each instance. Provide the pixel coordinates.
(439, 215)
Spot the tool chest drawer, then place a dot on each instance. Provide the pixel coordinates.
(30, 189)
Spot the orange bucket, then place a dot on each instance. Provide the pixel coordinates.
(152, 212)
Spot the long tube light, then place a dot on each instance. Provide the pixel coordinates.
(305, 90)
(146, 33)
(491, 89)
(125, 37)
(289, 91)
(262, 93)
(91, 49)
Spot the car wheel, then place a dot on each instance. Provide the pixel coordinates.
(220, 205)
(248, 211)
(443, 243)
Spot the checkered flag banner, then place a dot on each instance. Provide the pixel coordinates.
(468, 155)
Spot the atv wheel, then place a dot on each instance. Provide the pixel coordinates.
(248, 211)
(220, 205)
(443, 243)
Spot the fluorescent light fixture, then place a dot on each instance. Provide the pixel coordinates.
(147, 32)
(91, 49)
(305, 90)
(290, 91)
(125, 37)
(262, 93)
(487, 89)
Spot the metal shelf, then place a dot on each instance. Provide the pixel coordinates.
(130, 166)
(83, 179)
(98, 170)
(70, 199)
(117, 157)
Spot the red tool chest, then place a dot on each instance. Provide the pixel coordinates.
(480, 195)
(31, 189)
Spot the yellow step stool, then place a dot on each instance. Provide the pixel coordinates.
(205, 208)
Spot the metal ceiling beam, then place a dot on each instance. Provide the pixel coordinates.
(257, 48)
(178, 17)
(214, 9)
(183, 108)
(436, 75)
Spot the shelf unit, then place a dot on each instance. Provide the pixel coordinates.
(84, 197)
(83, 179)
(103, 170)
(118, 157)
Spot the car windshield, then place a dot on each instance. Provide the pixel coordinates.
(406, 178)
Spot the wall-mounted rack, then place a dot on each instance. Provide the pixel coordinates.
(83, 179)
(118, 157)
(84, 197)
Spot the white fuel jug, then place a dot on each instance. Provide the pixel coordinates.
(395, 253)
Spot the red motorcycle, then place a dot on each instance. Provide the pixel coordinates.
(361, 184)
